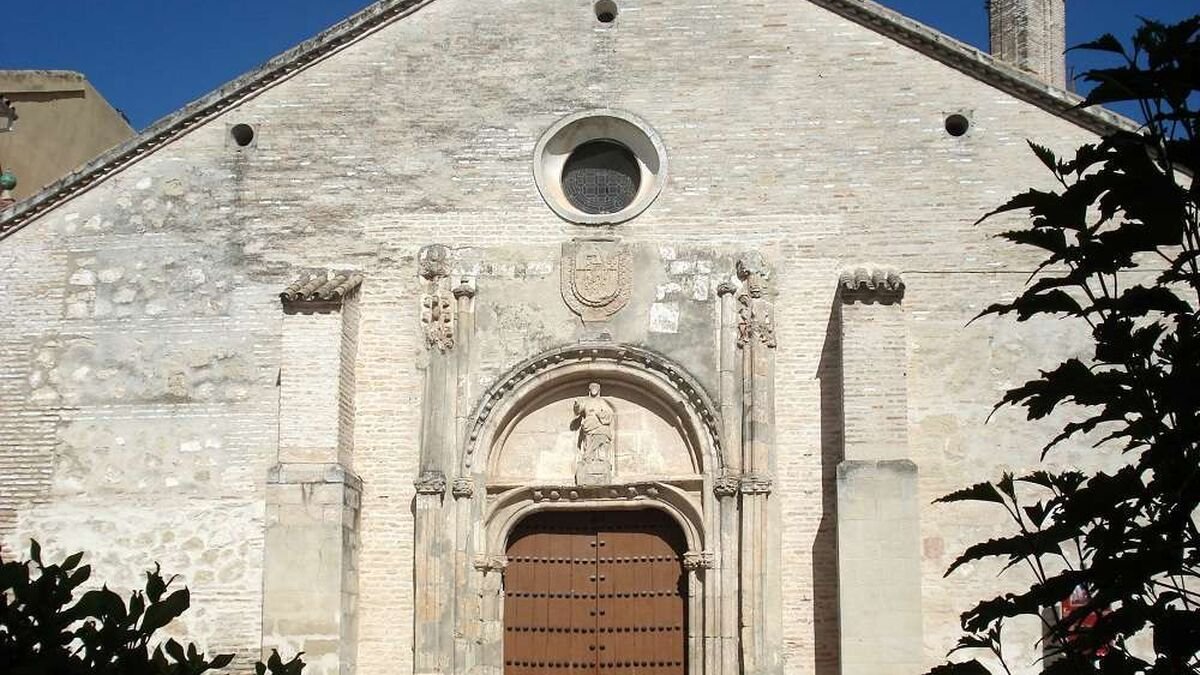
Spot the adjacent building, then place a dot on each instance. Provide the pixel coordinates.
(51, 122)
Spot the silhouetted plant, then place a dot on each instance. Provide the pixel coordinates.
(44, 628)
(1121, 240)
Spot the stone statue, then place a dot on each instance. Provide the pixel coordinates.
(595, 420)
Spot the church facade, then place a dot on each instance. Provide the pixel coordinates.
(626, 336)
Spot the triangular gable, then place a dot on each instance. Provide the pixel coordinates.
(867, 13)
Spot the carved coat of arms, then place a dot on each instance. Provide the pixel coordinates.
(597, 278)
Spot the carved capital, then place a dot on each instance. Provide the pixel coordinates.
(465, 288)
(433, 262)
(698, 560)
(726, 288)
(726, 486)
(431, 483)
(463, 488)
(488, 563)
(756, 485)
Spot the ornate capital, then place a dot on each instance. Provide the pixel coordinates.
(698, 560)
(431, 483)
(465, 288)
(487, 563)
(433, 262)
(726, 486)
(462, 488)
(726, 288)
(756, 485)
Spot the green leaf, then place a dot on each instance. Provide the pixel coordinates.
(162, 613)
(176, 651)
(1104, 43)
(221, 660)
(980, 492)
(72, 561)
(971, 667)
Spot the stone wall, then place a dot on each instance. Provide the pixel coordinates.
(140, 397)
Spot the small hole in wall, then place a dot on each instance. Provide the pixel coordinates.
(606, 11)
(957, 125)
(243, 134)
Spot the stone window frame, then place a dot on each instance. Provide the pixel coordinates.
(607, 124)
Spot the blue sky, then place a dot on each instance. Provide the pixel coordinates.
(150, 57)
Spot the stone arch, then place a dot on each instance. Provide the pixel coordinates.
(515, 505)
(665, 386)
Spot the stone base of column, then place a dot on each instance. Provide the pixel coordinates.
(310, 573)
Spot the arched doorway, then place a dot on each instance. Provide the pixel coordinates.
(596, 592)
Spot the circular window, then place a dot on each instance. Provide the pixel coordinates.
(601, 177)
(599, 168)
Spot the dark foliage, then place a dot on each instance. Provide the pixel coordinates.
(47, 627)
(1121, 239)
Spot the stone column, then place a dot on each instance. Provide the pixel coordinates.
(726, 486)
(463, 488)
(310, 579)
(879, 566)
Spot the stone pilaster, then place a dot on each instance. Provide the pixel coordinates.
(756, 340)
(310, 580)
(879, 571)
(439, 517)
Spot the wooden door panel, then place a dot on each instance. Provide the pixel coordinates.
(595, 593)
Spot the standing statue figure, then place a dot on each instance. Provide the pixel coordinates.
(595, 419)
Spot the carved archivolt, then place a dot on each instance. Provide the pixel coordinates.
(514, 505)
(651, 370)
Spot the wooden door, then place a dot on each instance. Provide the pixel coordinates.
(595, 592)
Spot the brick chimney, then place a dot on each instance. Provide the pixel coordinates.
(1032, 35)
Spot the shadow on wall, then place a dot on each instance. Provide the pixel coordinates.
(833, 451)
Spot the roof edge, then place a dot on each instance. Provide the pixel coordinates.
(978, 64)
(867, 13)
(206, 107)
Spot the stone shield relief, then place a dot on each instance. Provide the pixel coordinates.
(597, 278)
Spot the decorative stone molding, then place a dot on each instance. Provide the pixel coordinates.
(756, 485)
(320, 289)
(431, 483)
(726, 288)
(594, 356)
(438, 302)
(698, 560)
(574, 493)
(726, 486)
(491, 563)
(871, 283)
(596, 278)
(463, 488)
(756, 314)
